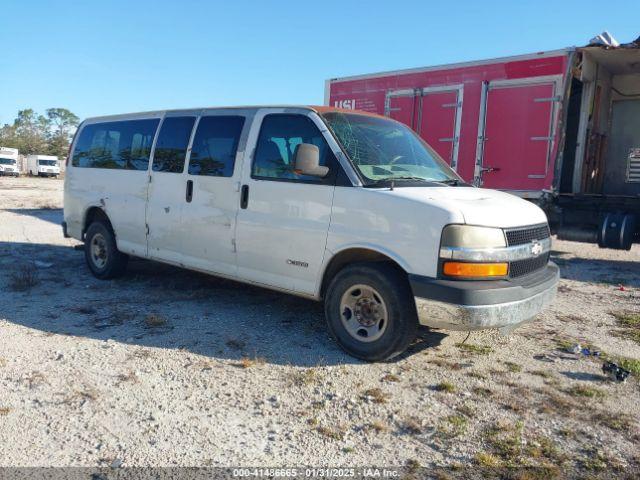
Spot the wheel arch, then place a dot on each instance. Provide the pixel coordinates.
(356, 254)
(92, 214)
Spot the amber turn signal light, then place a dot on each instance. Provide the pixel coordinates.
(460, 269)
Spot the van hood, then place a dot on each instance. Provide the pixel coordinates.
(478, 206)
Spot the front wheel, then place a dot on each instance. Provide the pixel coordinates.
(101, 252)
(370, 311)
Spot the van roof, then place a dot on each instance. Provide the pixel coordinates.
(320, 109)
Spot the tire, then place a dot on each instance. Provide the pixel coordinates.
(370, 311)
(101, 252)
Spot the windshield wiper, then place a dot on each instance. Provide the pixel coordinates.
(393, 179)
(389, 181)
(454, 182)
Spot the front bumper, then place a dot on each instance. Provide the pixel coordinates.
(476, 305)
(9, 173)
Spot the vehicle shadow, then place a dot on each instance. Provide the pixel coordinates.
(615, 272)
(47, 214)
(161, 306)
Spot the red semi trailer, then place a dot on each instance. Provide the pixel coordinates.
(561, 128)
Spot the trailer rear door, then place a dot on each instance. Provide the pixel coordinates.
(439, 120)
(401, 106)
(516, 135)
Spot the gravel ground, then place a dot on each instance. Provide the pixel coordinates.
(167, 367)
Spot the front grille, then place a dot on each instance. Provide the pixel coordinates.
(529, 265)
(522, 235)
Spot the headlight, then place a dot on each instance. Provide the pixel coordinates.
(469, 236)
(471, 245)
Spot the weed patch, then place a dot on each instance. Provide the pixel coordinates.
(377, 426)
(475, 349)
(446, 387)
(248, 362)
(390, 377)
(153, 320)
(585, 391)
(453, 425)
(308, 376)
(482, 391)
(630, 325)
(375, 395)
(513, 367)
(332, 433)
(24, 279)
(236, 344)
(412, 425)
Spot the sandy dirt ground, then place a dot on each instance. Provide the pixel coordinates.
(167, 367)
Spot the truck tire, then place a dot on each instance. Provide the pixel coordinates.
(101, 252)
(370, 311)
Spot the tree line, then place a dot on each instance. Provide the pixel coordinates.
(48, 134)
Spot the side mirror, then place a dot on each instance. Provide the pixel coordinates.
(307, 161)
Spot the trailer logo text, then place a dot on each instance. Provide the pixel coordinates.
(346, 104)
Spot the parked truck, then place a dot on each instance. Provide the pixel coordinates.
(43, 165)
(560, 128)
(9, 162)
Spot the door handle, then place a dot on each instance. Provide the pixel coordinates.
(244, 196)
(189, 195)
(489, 169)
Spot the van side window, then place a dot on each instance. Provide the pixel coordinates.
(280, 134)
(213, 152)
(116, 145)
(171, 147)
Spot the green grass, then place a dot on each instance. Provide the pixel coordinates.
(475, 349)
(615, 422)
(513, 367)
(488, 460)
(482, 391)
(455, 425)
(585, 391)
(446, 387)
(510, 446)
(629, 323)
(631, 364)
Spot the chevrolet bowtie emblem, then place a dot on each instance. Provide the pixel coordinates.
(536, 248)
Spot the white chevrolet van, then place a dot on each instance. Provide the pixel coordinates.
(346, 207)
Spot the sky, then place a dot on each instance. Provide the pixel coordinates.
(115, 56)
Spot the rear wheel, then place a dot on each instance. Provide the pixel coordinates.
(101, 252)
(370, 311)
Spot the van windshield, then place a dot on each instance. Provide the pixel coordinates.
(385, 150)
(50, 163)
(7, 161)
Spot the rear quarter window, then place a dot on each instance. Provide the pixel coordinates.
(116, 145)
